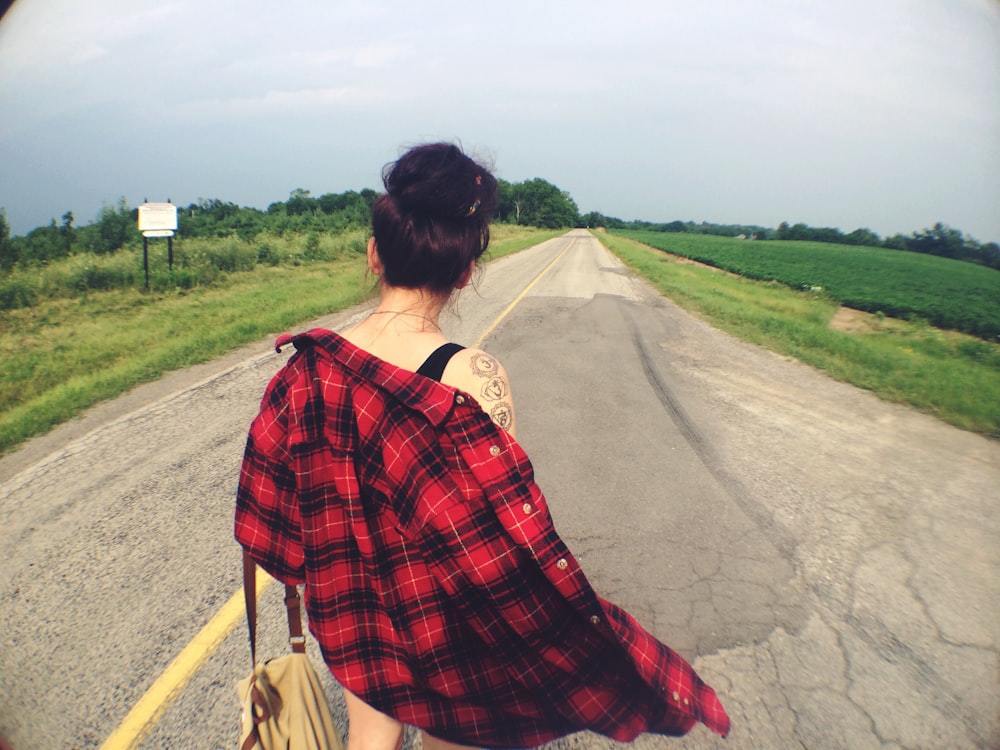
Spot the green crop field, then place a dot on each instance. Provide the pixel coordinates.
(952, 375)
(949, 294)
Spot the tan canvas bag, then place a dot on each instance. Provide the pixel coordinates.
(283, 702)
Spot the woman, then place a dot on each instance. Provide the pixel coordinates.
(382, 472)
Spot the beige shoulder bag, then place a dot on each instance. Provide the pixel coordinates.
(283, 702)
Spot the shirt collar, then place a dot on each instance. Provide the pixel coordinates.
(420, 393)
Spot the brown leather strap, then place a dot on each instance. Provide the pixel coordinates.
(250, 598)
(293, 605)
(250, 742)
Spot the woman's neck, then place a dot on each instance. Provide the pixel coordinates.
(402, 329)
(411, 303)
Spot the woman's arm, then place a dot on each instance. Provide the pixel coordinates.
(481, 375)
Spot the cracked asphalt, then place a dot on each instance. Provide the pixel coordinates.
(897, 528)
(831, 560)
(828, 561)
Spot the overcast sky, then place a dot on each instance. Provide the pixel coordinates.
(849, 113)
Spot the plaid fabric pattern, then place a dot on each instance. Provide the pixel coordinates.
(436, 584)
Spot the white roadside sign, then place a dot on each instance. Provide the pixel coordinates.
(157, 217)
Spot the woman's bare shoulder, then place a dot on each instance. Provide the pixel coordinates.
(481, 375)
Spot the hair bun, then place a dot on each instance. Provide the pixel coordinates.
(433, 221)
(437, 180)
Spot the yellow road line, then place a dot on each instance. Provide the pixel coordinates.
(179, 672)
(144, 715)
(520, 297)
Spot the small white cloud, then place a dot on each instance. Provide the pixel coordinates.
(378, 55)
(279, 102)
(90, 51)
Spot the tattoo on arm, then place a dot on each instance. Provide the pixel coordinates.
(495, 389)
(484, 365)
(502, 415)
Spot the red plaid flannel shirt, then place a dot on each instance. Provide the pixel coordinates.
(436, 585)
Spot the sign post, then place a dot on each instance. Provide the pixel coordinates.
(157, 220)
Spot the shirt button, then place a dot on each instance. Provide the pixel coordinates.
(595, 619)
(459, 399)
(526, 508)
(494, 450)
(561, 563)
(677, 696)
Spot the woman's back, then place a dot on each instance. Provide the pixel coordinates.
(436, 583)
(407, 340)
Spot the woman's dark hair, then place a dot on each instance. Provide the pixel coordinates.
(433, 220)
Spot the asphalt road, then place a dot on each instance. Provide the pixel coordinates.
(828, 561)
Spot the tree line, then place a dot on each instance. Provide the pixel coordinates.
(940, 240)
(534, 202)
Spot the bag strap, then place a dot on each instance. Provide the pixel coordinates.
(293, 606)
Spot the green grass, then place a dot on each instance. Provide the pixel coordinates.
(62, 355)
(197, 262)
(506, 239)
(70, 354)
(947, 293)
(955, 377)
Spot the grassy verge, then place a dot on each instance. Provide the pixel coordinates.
(61, 356)
(954, 377)
(506, 239)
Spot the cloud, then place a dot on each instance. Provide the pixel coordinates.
(85, 54)
(39, 37)
(753, 101)
(378, 55)
(295, 102)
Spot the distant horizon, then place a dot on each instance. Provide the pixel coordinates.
(792, 222)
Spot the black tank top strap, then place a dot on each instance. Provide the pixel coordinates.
(433, 366)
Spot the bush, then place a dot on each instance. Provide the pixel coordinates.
(197, 262)
(267, 255)
(19, 289)
(91, 273)
(233, 255)
(312, 246)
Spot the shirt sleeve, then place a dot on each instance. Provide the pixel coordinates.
(268, 520)
(526, 596)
